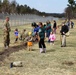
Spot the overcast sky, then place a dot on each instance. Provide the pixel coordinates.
(48, 6)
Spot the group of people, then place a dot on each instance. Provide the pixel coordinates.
(6, 33)
(22, 35)
(39, 31)
(43, 31)
(70, 24)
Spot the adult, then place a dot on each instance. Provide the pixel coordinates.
(72, 24)
(54, 27)
(35, 31)
(64, 30)
(35, 28)
(41, 37)
(68, 24)
(7, 30)
(48, 29)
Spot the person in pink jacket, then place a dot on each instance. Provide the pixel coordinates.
(52, 38)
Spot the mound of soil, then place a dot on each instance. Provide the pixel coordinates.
(69, 63)
(6, 52)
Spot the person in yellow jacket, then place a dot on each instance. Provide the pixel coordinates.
(30, 43)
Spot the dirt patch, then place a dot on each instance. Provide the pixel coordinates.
(5, 53)
(68, 63)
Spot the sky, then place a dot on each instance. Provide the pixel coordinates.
(48, 6)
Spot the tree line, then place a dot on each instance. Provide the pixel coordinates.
(7, 6)
(11, 7)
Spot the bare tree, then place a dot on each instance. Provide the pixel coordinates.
(68, 13)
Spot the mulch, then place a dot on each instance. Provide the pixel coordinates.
(6, 52)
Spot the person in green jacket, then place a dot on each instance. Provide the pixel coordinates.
(48, 29)
(41, 37)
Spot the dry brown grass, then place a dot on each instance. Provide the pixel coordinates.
(54, 62)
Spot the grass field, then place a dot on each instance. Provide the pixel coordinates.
(56, 60)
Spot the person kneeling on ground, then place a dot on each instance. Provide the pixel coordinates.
(22, 36)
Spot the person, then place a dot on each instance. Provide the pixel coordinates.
(52, 38)
(45, 25)
(48, 29)
(54, 26)
(6, 29)
(16, 35)
(22, 35)
(72, 24)
(64, 30)
(35, 29)
(41, 37)
(68, 24)
(30, 42)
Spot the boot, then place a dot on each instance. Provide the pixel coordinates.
(41, 50)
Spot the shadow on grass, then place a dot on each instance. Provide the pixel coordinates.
(51, 50)
(34, 49)
(71, 45)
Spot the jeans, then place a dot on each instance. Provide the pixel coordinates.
(41, 43)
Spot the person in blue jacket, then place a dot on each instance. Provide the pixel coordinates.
(16, 35)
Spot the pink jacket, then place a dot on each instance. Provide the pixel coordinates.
(52, 37)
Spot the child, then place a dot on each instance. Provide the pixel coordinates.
(52, 38)
(16, 35)
(22, 36)
(29, 43)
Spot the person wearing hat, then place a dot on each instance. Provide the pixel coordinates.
(6, 30)
(29, 42)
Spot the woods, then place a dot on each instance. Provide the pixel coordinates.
(70, 10)
(11, 7)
